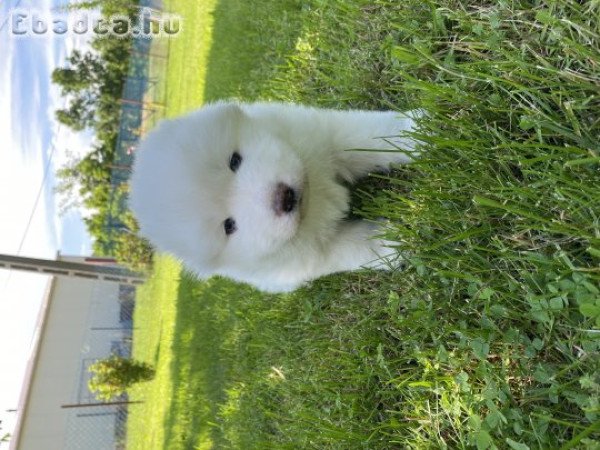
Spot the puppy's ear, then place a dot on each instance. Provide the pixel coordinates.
(217, 122)
(230, 110)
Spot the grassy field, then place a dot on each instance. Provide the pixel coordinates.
(491, 337)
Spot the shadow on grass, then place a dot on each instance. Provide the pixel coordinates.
(250, 40)
(158, 345)
(201, 364)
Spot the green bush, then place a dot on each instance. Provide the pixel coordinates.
(132, 250)
(114, 375)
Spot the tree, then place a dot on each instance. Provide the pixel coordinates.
(132, 250)
(107, 7)
(88, 4)
(113, 376)
(79, 115)
(84, 181)
(85, 72)
(82, 81)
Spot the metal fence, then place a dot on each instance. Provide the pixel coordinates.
(97, 427)
(93, 424)
(143, 104)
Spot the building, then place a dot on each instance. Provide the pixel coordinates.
(81, 320)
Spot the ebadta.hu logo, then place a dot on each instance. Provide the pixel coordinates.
(149, 23)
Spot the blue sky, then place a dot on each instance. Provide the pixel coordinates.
(32, 146)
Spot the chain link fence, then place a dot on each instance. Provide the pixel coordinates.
(93, 424)
(143, 104)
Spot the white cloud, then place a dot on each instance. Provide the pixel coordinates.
(6, 63)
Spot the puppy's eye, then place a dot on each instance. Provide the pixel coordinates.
(229, 226)
(235, 161)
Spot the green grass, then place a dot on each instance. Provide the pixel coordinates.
(225, 51)
(491, 337)
(154, 319)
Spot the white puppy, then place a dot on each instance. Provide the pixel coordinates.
(253, 191)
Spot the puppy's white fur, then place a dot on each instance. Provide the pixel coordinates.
(183, 189)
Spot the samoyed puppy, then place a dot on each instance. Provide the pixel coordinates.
(257, 192)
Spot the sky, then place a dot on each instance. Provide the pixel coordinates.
(32, 147)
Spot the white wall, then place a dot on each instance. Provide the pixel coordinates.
(68, 343)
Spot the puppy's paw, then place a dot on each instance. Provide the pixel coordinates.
(387, 255)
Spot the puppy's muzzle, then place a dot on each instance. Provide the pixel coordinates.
(285, 199)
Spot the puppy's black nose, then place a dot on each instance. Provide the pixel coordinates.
(285, 199)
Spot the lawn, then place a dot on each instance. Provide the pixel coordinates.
(491, 336)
